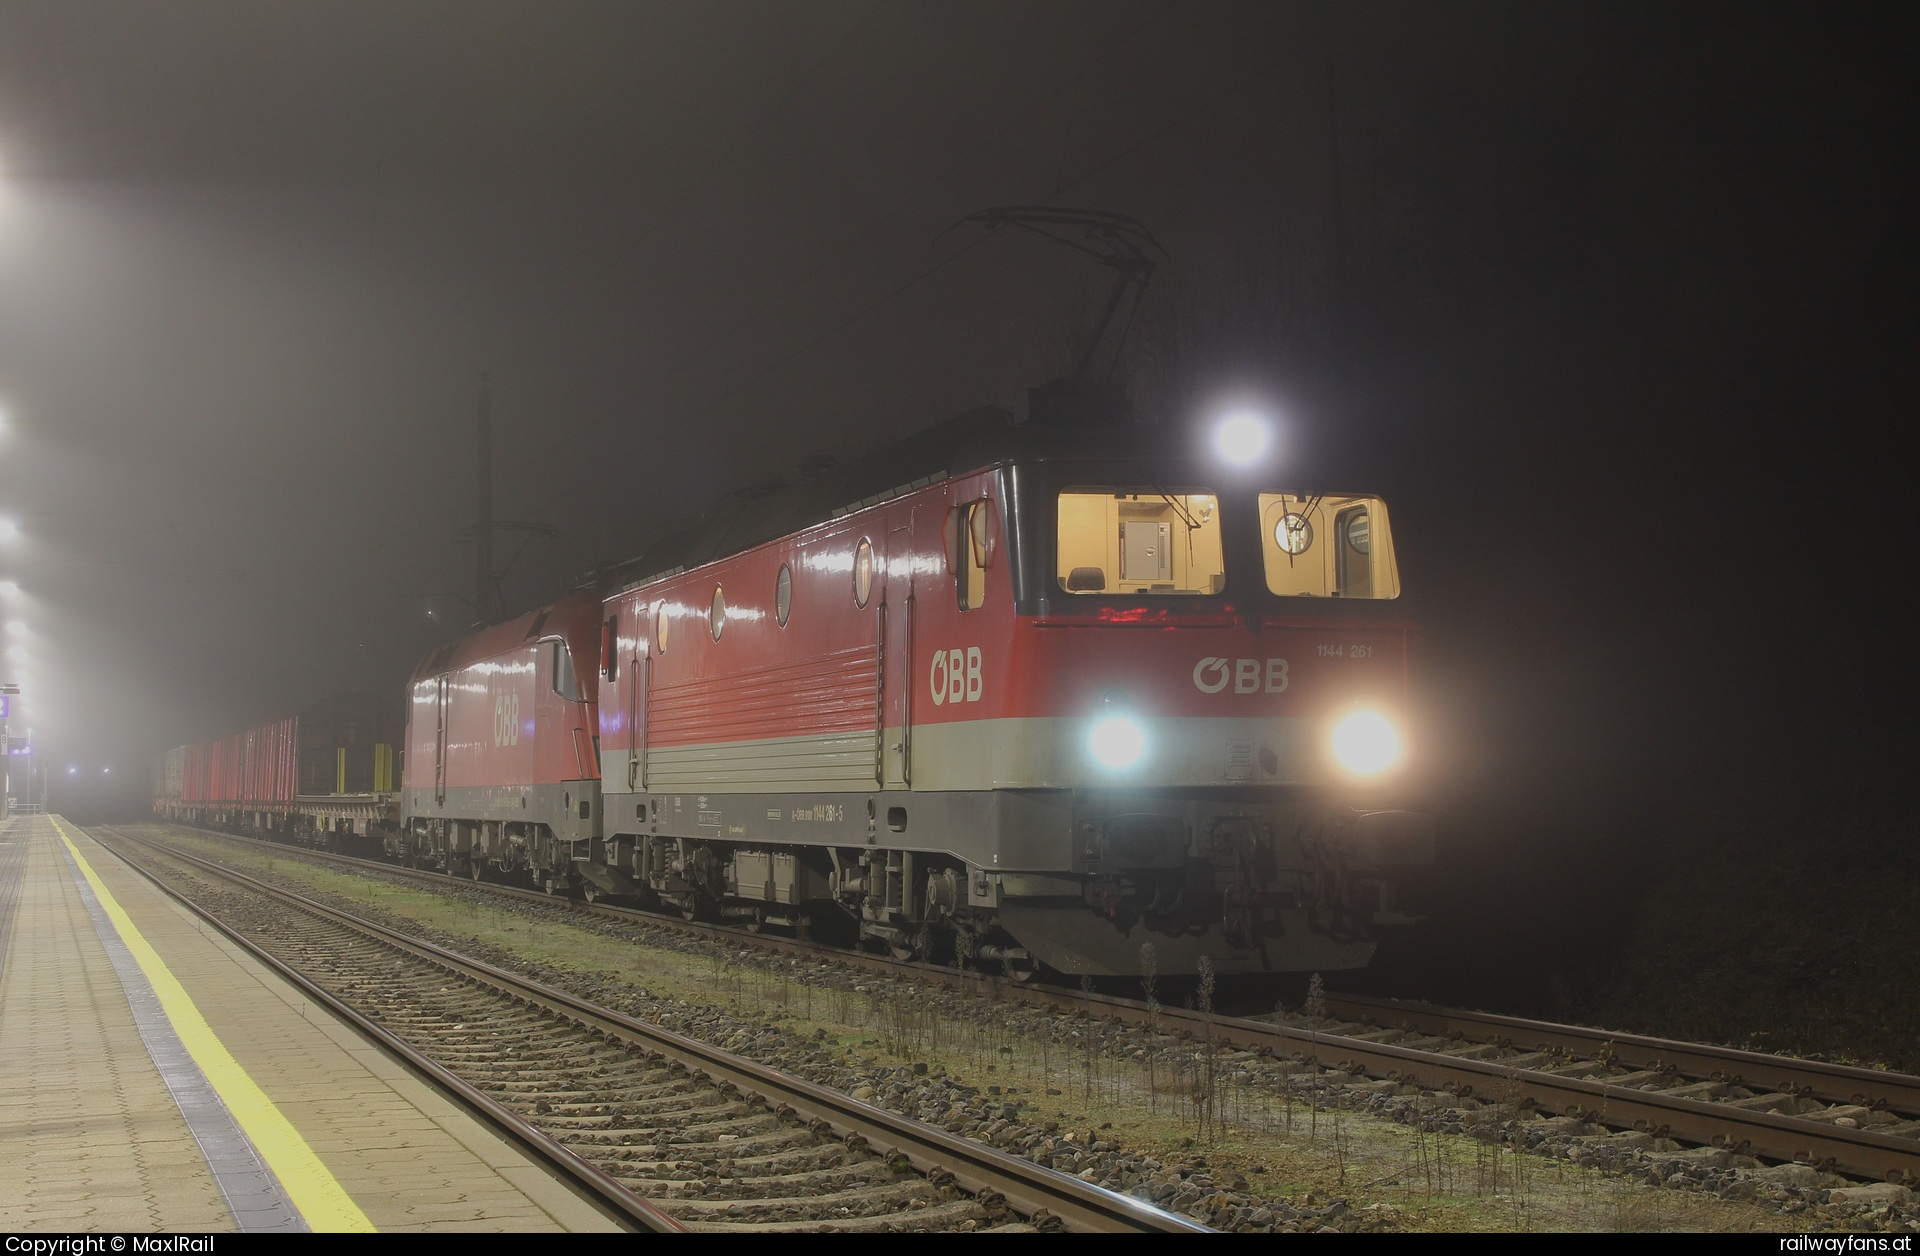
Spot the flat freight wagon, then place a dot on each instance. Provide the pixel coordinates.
(314, 777)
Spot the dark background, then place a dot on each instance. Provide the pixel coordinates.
(1612, 302)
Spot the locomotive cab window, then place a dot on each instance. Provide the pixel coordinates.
(969, 537)
(560, 670)
(1327, 546)
(1140, 540)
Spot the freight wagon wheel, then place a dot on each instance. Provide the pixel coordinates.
(473, 869)
(590, 892)
(756, 922)
(915, 947)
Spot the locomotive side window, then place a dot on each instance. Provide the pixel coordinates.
(1140, 540)
(969, 533)
(862, 572)
(783, 595)
(660, 625)
(560, 670)
(1327, 546)
(717, 617)
(610, 648)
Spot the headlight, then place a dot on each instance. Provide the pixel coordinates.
(1117, 741)
(1241, 439)
(1366, 743)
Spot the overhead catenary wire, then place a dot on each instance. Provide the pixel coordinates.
(921, 190)
(928, 272)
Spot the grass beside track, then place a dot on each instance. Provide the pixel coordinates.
(1095, 1082)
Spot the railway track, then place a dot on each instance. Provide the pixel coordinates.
(1861, 1122)
(670, 1133)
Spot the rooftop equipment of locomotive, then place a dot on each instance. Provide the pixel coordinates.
(1031, 688)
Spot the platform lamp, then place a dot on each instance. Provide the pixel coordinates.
(7, 695)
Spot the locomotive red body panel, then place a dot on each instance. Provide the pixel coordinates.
(912, 691)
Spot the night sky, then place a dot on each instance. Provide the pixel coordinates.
(1612, 302)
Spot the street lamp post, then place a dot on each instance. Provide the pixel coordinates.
(7, 694)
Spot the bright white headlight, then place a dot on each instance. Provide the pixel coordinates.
(1117, 742)
(1242, 439)
(1366, 743)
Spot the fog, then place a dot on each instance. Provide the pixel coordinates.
(1609, 300)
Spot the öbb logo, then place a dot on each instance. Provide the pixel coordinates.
(506, 719)
(956, 675)
(1211, 675)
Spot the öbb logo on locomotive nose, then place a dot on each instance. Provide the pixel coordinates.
(1211, 675)
(956, 675)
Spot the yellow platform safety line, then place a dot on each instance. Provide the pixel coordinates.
(308, 1182)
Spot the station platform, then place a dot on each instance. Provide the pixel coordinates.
(154, 1077)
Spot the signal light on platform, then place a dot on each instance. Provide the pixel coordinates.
(1242, 438)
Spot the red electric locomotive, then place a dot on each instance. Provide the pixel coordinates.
(1017, 692)
(501, 769)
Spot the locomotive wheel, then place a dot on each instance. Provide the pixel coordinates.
(473, 869)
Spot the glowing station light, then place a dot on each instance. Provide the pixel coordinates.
(1366, 743)
(1242, 438)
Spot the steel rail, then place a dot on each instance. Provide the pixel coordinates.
(1818, 1079)
(1027, 1187)
(1856, 1152)
(598, 1185)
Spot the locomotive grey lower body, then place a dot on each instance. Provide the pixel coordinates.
(1097, 882)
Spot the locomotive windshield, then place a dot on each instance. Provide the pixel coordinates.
(1140, 540)
(1324, 546)
(1134, 540)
